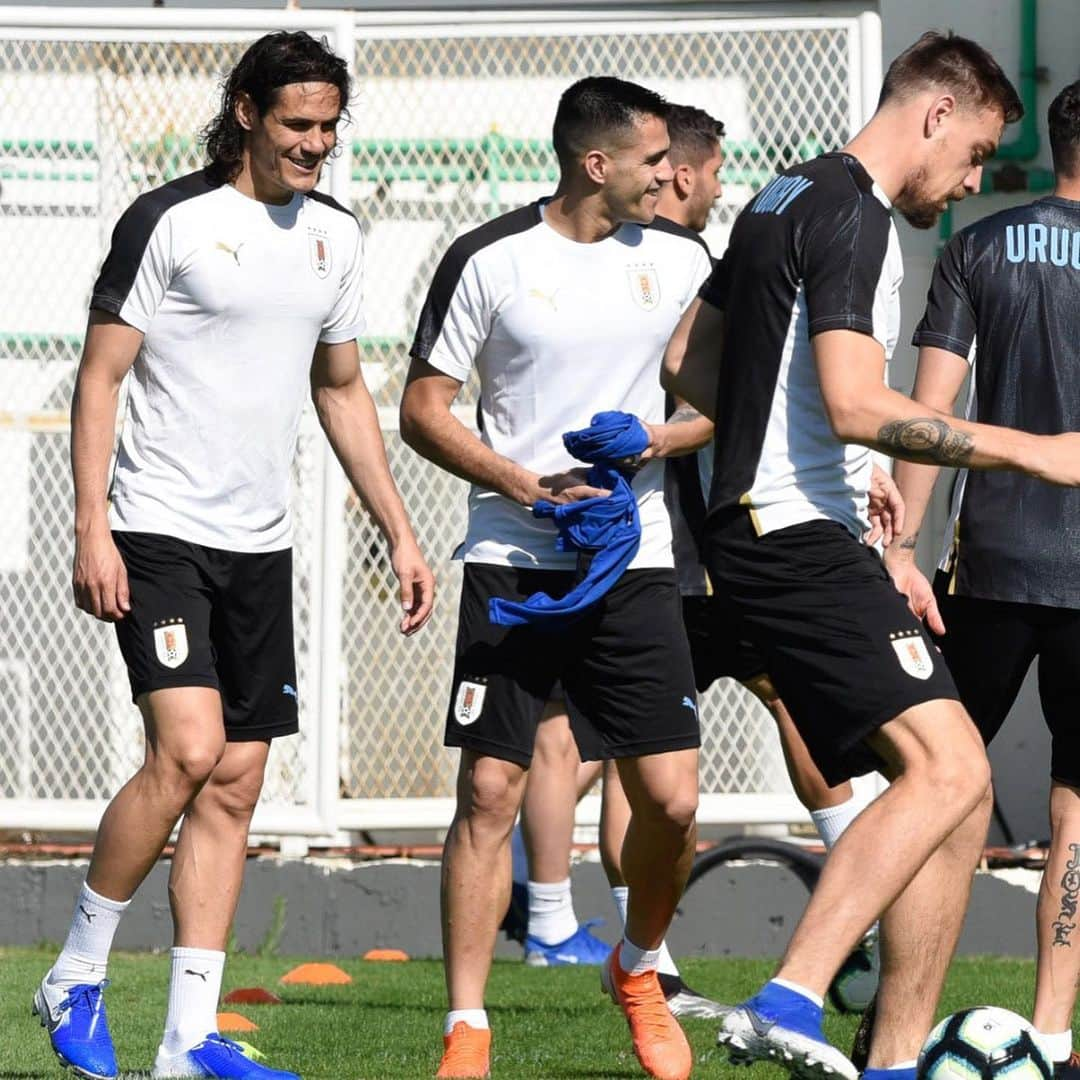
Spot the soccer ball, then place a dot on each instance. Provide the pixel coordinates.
(985, 1043)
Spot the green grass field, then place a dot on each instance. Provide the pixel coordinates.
(388, 1022)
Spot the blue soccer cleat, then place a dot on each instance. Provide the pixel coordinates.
(74, 1017)
(216, 1056)
(580, 948)
(784, 1027)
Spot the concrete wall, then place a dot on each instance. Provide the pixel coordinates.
(334, 908)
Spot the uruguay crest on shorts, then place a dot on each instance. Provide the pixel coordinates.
(319, 250)
(644, 286)
(171, 643)
(911, 651)
(469, 702)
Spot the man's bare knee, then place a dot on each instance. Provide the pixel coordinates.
(555, 746)
(676, 810)
(936, 744)
(186, 767)
(494, 792)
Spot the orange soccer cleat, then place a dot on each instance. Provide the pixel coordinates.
(659, 1043)
(466, 1053)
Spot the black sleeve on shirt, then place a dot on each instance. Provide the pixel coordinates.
(949, 322)
(132, 235)
(715, 288)
(841, 263)
(437, 304)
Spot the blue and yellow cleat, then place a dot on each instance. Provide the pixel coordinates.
(216, 1057)
(74, 1017)
(783, 1027)
(580, 948)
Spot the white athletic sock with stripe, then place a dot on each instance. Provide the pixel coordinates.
(85, 955)
(551, 911)
(194, 989)
(665, 963)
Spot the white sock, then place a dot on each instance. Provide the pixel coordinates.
(797, 989)
(475, 1018)
(833, 820)
(194, 988)
(666, 964)
(519, 857)
(636, 961)
(85, 955)
(1057, 1044)
(551, 911)
(621, 895)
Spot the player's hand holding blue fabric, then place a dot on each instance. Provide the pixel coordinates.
(608, 528)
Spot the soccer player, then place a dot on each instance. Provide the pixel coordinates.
(786, 348)
(553, 935)
(564, 307)
(227, 294)
(715, 643)
(1008, 588)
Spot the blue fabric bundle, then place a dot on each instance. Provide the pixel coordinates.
(607, 528)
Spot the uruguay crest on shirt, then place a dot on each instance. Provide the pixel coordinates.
(644, 286)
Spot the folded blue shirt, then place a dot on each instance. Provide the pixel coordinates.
(606, 528)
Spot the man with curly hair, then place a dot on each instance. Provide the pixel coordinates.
(226, 294)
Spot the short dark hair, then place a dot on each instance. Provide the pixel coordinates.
(957, 64)
(1063, 119)
(597, 109)
(275, 60)
(694, 134)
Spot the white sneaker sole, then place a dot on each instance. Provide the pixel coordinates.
(172, 1066)
(700, 1008)
(805, 1058)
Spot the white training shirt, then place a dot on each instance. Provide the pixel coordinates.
(232, 296)
(558, 331)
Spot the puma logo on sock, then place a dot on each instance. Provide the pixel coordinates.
(90, 916)
(202, 974)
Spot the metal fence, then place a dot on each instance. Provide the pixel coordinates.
(450, 125)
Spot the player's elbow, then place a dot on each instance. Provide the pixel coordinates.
(411, 414)
(848, 417)
(669, 376)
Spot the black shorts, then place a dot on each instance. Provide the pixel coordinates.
(205, 617)
(989, 646)
(624, 669)
(718, 646)
(839, 642)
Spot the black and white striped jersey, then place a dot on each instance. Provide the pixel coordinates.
(1004, 296)
(815, 250)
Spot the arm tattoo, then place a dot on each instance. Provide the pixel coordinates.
(910, 542)
(684, 414)
(926, 439)
(1070, 895)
